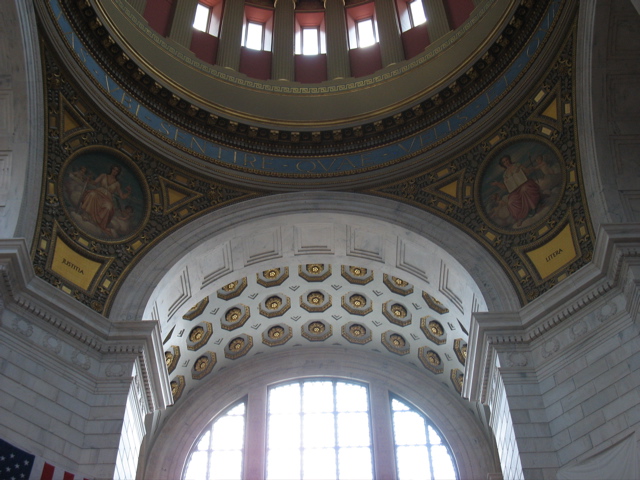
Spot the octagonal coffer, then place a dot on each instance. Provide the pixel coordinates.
(430, 359)
(177, 387)
(203, 365)
(315, 300)
(434, 304)
(356, 332)
(395, 343)
(433, 330)
(277, 334)
(232, 289)
(316, 330)
(197, 309)
(272, 277)
(397, 285)
(199, 335)
(357, 303)
(238, 346)
(357, 275)
(315, 272)
(396, 313)
(457, 378)
(235, 317)
(460, 349)
(274, 305)
(171, 358)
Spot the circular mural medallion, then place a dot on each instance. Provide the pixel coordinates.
(521, 184)
(103, 195)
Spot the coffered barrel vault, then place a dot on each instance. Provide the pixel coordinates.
(454, 224)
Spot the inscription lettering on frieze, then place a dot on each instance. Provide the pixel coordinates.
(554, 254)
(72, 266)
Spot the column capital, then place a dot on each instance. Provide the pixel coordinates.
(292, 2)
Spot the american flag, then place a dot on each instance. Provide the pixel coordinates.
(16, 464)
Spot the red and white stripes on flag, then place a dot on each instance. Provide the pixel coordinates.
(16, 464)
(45, 471)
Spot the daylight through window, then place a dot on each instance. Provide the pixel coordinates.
(219, 453)
(201, 20)
(254, 36)
(366, 33)
(310, 41)
(416, 9)
(321, 429)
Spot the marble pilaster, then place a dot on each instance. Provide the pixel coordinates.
(389, 32)
(231, 35)
(282, 65)
(182, 22)
(337, 41)
(437, 22)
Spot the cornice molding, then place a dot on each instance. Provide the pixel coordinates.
(615, 269)
(26, 295)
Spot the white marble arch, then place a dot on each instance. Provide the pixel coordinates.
(607, 106)
(165, 455)
(22, 129)
(176, 262)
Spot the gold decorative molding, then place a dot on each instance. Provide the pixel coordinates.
(197, 309)
(395, 343)
(433, 330)
(397, 285)
(357, 333)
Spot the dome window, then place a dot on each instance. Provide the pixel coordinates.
(416, 13)
(361, 24)
(310, 33)
(310, 41)
(208, 16)
(257, 29)
(366, 33)
(254, 36)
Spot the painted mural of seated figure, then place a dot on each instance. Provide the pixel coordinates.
(523, 193)
(121, 221)
(99, 201)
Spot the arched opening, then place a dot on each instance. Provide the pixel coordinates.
(322, 428)
(316, 274)
(457, 422)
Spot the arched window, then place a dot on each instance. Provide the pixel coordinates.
(418, 445)
(219, 452)
(323, 429)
